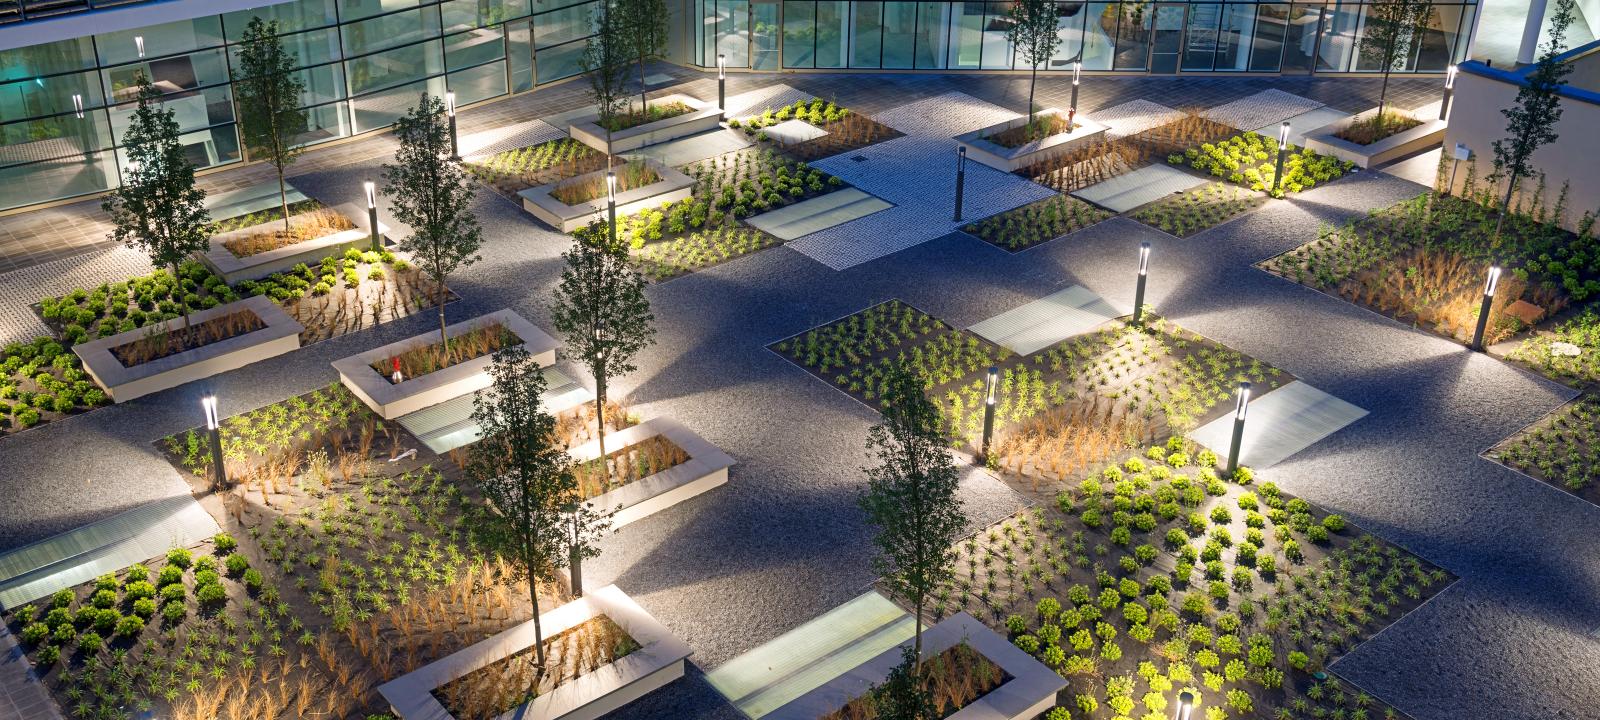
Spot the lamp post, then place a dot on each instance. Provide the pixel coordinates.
(961, 177)
(988, 411)
(1138, 289)
(219, 474)
(1283, 142)
(1077, 75)
(1239, 410)
(1483, 310)
(611, 204)
(450, 112)
(722, 80)
(1185, 706)
(372, 213)
(1449, 92)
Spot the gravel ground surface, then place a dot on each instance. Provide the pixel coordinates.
(783, 541)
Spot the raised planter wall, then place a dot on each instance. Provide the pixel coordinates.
(235, 269)
(658, 661)
(1030, 691)
(672, 187)
(706, 468)
(979, 147)
(1429, 134)
(705, 116)
(122, 383)
(390, 400)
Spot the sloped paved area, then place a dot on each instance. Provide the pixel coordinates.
(1267, 107)
(20, 289)
(1135, 116)
(1145, 185)
(945, 116)
(1279, 423)
(21, 694)
(1035, 326)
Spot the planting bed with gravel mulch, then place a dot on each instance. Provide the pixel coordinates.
(374, 546)
(1152, 574)
(1036, 223)
(1145, 382)
(1195, 211)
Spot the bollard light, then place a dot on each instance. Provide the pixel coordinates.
(371, 188)
(1185, 706)
(1283, 143)
(450, 112)
(77, 105)
(1077, 75)
(722, 80)
(219, 474)
(1449, 91)
(1138, 288)
(988, 412)
(961, 177)
(1489, 287)
(1241, 407)
(611, 206)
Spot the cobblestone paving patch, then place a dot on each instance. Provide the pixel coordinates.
(20, 289)
(944, 116)
(1267, 107)
(1134, 116)
(510, 137)
(749, 104)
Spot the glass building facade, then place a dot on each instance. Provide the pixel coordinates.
(64, 105)
(1145, 37)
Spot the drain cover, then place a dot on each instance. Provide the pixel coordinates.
(859, 158)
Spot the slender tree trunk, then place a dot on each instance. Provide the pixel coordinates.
(438, 293)
(1382, 97)
(575, 557)
(183, 299)
(1505, 207)
(642, 104)
(283, 196)
(1033, 78)
(916, 646)
(538, 631)
(600, 419)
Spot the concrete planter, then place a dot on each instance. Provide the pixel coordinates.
(672, 187)
(1030, 692)
(1394, 147)
(658, 661)
(391, 400)
(706, 468)
(122, 383)
(235, 269)
(1013, 159)
(705, 117)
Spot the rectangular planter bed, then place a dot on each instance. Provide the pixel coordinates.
(1030, 691)
(705, 117)
(981, 149)
(122, 383)
(658, 661)
(672, 187)
(391, 400)
(1429, 134)
(706, 468)
(254, 267)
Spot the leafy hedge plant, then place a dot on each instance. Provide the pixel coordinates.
(1250, 160)
(41, 381)
(816, 111)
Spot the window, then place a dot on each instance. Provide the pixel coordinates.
(389, 31)
(474, 47)
(899, 34)
(159, 40)
(799, 34)
(292, 17)
(1272, 25)
(394, 67)
(866, 35)
(933, 34)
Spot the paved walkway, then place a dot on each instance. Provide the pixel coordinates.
(784, 541)
(21, 694)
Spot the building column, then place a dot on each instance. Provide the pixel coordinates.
(1530, 32)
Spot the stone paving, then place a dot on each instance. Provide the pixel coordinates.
(783, 541)
(1263, 108)
(20, 289)
(1134, 116)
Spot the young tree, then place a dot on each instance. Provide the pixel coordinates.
(524, 476)
(433, 196)
(904, 694)
(911, 495)
(268, 92)
(644, 24)
(1034, 34)
(1531, 122)
(158, 209)
(601, 310)
(605, 60)
(1392, 27)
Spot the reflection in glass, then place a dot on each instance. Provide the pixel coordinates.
(1236, 37)
(966, 51)
(1272, 22)
(389, 31)
(1133, 37)
(1069, 26)
(53, 179)
(519, 53)
(474, 47)
(394, 67)
(561, 61)
(799, 33)
(1301, 43)
(933, 32)
(764, 36)
(1099, 35)
(292, 17)
(159, 40)
(996, 48)
(47, 59)
(866, 33)
(899, 34)
(479, 83)
(833, 18)
(1339, 43)
(383, 108)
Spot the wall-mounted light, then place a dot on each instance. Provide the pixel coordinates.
(450, 104)
(77, 105)
(138, 44)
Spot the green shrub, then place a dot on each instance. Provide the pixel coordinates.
(144, 607)
(107, 621)
(130, 626)
(207, 577)
(104, 598)
(224, 543)
(252, 579)
(180, 557)
(139, 589)
(90, 643)
(169, 575)
(35, 633)
(173, 592)
(47, 656)
(173, 612)
(237, 564)
(210, 593)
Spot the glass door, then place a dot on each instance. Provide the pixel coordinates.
(764, 36)
(1166, 42)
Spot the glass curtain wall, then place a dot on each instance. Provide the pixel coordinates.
(1261, 37)
(64, 105)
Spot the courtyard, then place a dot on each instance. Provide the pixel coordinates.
(1400, 453)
